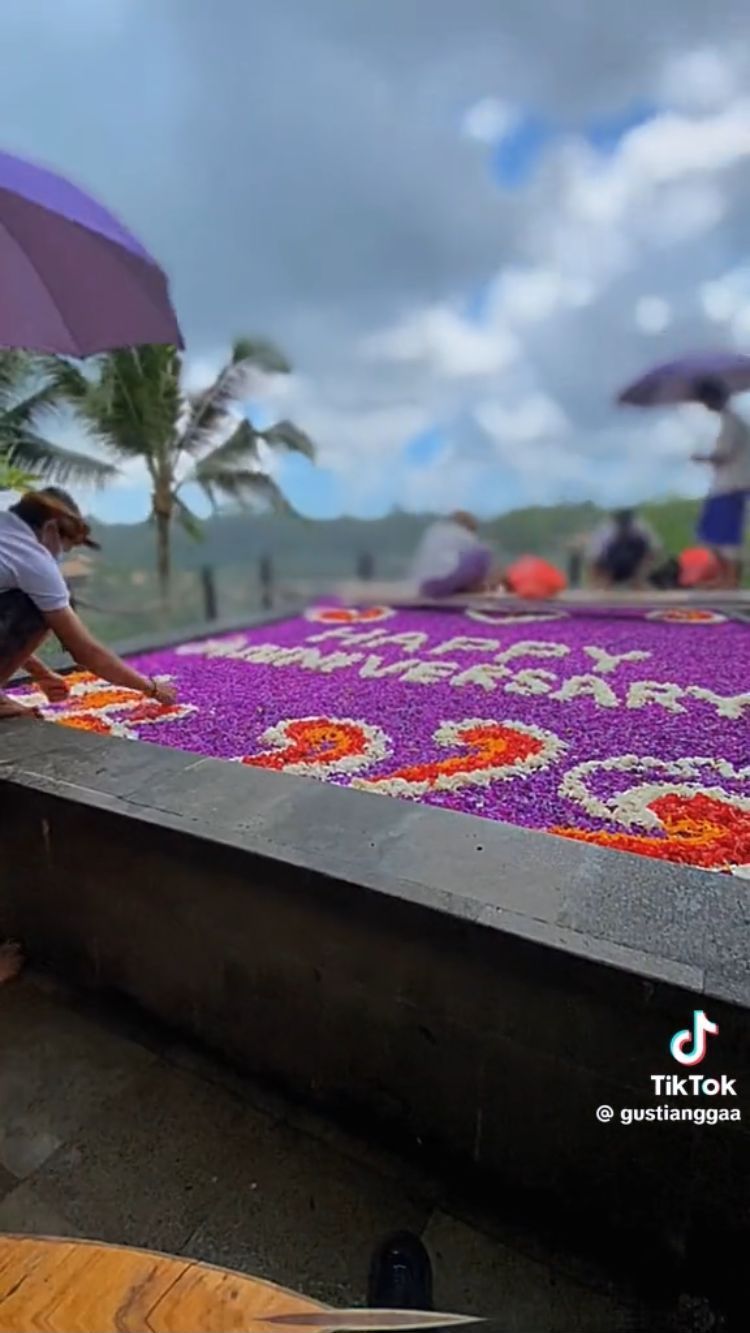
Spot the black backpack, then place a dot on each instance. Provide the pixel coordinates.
(625, 553)
(667, 575)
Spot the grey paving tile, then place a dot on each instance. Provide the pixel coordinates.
(25, 1212)
(477, 1275)
(126, 1148)
(147, 1169)
(57, 1068)
(315, 1124)
(306, 1217)
(7, 1182)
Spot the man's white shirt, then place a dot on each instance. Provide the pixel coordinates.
(28, 566)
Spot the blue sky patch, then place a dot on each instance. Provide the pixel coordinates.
(606, 133)
(425, 447)
(516, 155)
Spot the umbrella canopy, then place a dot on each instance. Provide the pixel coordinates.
(73, 281)
(675, 381)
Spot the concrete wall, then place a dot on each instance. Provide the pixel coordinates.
(473, 991)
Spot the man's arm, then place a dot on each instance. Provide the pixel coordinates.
(716, 459)
(89, 653)
(727, 446)
(36, 668)
(53, 685)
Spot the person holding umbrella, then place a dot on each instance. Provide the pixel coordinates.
(34, 600)
(711, 379)
(722, 523)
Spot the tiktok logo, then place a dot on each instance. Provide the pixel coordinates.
(680, 1045)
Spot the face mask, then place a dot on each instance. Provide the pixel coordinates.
(55, 546)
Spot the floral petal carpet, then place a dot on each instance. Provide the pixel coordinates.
(630, 731)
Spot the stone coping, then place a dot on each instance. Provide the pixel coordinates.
(658, 920)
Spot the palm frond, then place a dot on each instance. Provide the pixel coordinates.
(14, 478)
(212, 411)
(53, 463)
(285, 435)
(66, 379)
(241, 485)
(133, 404)
(25, 409)
(13, 370)
(25, 389)
(264, 355)
(241, 447)
(187, 520)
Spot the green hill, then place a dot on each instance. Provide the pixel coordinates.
(121, 600)
(330, 548)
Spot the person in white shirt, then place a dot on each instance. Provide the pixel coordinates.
(34, 600)
(722, 522)
(621, 552)
(451, 558)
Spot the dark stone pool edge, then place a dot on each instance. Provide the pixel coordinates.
(657, 920)
(472, 989)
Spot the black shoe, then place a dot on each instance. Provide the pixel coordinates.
(400, 1275)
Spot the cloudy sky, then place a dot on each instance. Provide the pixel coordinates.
(466, 221)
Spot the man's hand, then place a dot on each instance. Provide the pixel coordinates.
(97, 659)
(11, 961)
(163, 693)
(54, 686)
(10, 708)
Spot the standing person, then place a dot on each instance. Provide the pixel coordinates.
(34, 599)
(621, 552)
(451, 558)
(722, 522)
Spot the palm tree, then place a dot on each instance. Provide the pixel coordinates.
(137, 407)
(29, 397)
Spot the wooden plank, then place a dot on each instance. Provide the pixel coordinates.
(72, 1286)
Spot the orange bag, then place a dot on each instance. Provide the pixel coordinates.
(531, 577)
(698, 566)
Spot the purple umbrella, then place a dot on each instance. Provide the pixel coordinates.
(675, 382)
(73, 281)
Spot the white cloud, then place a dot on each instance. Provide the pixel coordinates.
(726, 300)
(682, 211)
(439, 338)
(536, 417)
(529, 295)
(673, 145)
(372, 228)
(445, 483)
(718, 301)
(489, 120)
(741, 327)
(607, 252)
(350, 434)
(653, 314)
(698, 80)
(200, 371)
